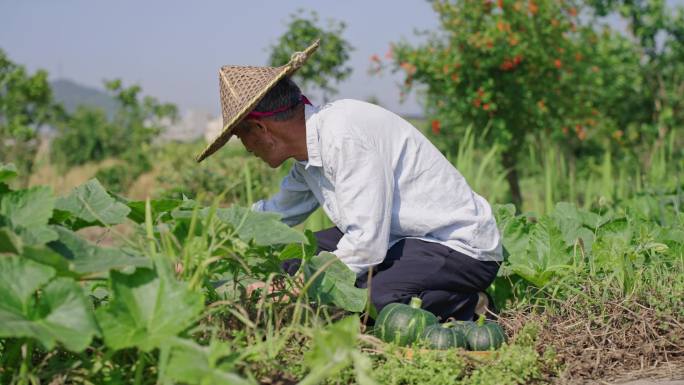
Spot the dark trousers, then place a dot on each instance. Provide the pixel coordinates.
(447, 281)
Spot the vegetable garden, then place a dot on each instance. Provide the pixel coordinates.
(122, 261)
(585, 293)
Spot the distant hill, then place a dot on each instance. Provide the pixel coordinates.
(72, 94)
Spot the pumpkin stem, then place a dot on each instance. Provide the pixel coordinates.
(416, 302)
(448, 325)
(481, 320)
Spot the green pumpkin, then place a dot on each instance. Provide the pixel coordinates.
(485, 335)
(403, 324)
(462, 326)
(443, 337)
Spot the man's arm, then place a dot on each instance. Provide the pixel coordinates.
(294, 201)
(363, 188)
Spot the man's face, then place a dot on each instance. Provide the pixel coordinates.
(258, 140)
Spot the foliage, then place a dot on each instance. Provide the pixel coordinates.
(327, 64)
(26, 104)
(614, 244)
(485, 65)
(231, 175)
(90, 136)
(645, 100)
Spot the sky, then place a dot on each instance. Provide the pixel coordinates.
(173, 49)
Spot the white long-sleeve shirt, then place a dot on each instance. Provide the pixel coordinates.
(380, 180)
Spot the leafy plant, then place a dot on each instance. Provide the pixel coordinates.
(327, 64)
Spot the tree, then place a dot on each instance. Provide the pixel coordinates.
(26, 104)
(518, 70)
(658, 32)
(327, 65)
(88, 135)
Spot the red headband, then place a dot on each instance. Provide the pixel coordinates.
(261, 114)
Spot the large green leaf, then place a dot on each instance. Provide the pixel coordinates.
(10, 242)
(91, 203)
(264, 228)
(7, 172)
(85, 258)
(158, 207)
(571, 221)
(27, 212)
(335, 284)
(191, 363)
(547, 254)
(58, 313)
(147, 309)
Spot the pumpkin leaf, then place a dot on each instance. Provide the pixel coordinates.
(7, 172)
(571, 221)
(9, 241)
(160, 206)
(335, 284)
(191, 363)
(27, 213)
(82, 257)
(59, 312)
(262, 227)
(147, 309)
(91, 203)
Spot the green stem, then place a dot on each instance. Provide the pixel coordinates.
(26, 350)
(139, 366)
(481, 320)
(416, 303)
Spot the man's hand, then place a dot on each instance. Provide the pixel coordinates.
(277, 285)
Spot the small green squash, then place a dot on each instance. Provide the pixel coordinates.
(485, 335)
(444, 337)
(403, 324)
(462, 326)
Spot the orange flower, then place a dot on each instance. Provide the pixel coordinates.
(445, 69)
(618, 134)
(541, 105)
(578, 56)
(513, 41)
(477, 102)
(532, 7)
(485, 106)
(558, 63)
(503, 26)
(454, 77)
(499, 3)
(572, 11)
(436, 127)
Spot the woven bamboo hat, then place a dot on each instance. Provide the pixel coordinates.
(242, 87)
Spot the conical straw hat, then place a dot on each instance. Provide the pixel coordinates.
(242, 87)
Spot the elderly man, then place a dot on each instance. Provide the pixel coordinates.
(399, 207)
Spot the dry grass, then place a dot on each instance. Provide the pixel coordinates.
(613, 339)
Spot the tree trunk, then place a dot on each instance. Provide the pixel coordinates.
(509, 160)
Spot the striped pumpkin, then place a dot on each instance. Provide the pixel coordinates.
(402, 324)
(443, 337)
(485, 335)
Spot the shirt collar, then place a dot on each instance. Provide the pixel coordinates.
(313, 146)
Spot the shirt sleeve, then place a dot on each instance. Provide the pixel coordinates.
(294, 201)
(363, 190)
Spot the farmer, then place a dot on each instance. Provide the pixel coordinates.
(400, 209)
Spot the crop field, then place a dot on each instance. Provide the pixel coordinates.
(124, 261)
(586, 294)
